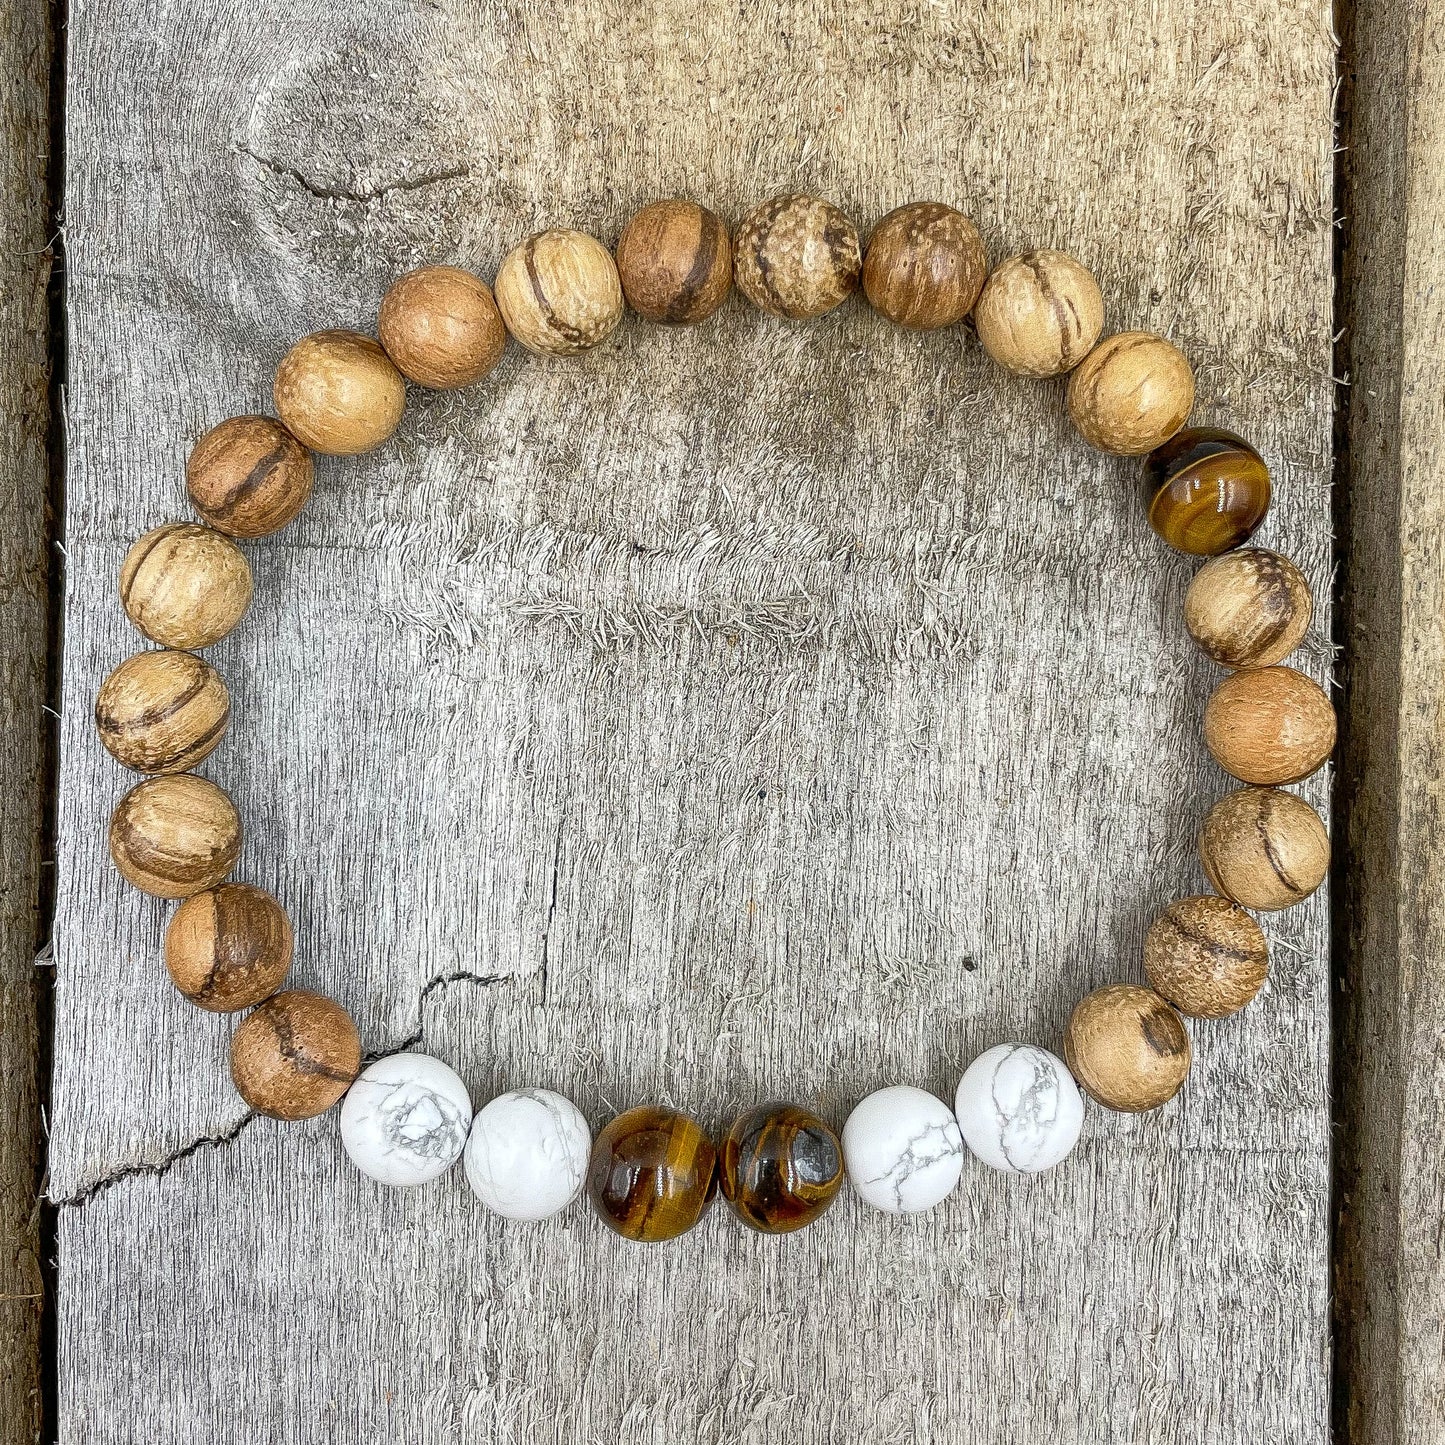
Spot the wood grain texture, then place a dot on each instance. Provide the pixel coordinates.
(24, 413)
(756, 711)
(1391, 1067)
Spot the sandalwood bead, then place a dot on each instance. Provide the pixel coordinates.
(925, 266)
(1039, 314)
(675, 262)
(652, 1174)
(249, 476)
(1205, 490)
(295, 1056)
(1127, 1048)
(339, 393)
(175, 835)
(796, 256)
(1264, 848)
(1206, 956)
(559, 293)
(441, 327)
(184, 585)
(162, 712)
(780, 1168)
(229, 947)
(1249, 608)
(1269, 725)
(1131, 393)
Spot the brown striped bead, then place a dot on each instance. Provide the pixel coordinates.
(559, 293)
(1206, 956)
(229, 947)
(652, 1174)
(1127, 1048)
(295, 1056)
(1039, 314)
(1248, 608)
(675, 262)
(174, 835)
(780, 1168)
(1205, 491)
(249, 476)
(1264, 848)
(184, 585)
(162, 712)
(797, 256)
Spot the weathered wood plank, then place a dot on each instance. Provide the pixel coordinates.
(774, 710)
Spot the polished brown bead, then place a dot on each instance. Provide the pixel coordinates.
(229, 947)
(441, 327)
(1205, 491)
(162, 712)
(796, 256)
(295, 1056)
(1127, 1048)
(1039, 314)
(1131, 393)
(652, 1174)
(184, 585)
(174, 835)
(1206, 956)
(1264, 848)
(925, 266)
(559, 293)
(339, 393)
(249, 476)
(1269, 725)
(780, 1168)
(676, 262)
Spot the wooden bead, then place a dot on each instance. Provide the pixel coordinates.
(1249, 608)
(652, 1174)
(1131, 393)
(559, 293)
(796, 256)
(780, 1168)
(229, 947)
(175, 835)
(1205, 491)
(1127, 1048)
(162, 712)
(1269, 725)
(249, 476)
(441, 327)
(925, 266)
(1039, 314)
(675, 262)
(1264, 848)
(184, 585)
(339, 393)
(295, 1056)
(1206, 956)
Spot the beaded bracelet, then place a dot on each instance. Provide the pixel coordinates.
(652, 1172)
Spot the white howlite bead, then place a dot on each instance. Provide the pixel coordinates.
(527, 1154)
(404, 1120)
(1019, 1108)
(902, 1150)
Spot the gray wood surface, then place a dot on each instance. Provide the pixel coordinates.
(759, 710)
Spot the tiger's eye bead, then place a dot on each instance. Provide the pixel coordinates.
(184, 585)
(675, 262)
(162, 712)
(249, 476)
(796, 256)
(228, 947)
(1205, 491)
(1131, 393)
(339, 393)
(559, 293)
(1127, 1048)
(1039, 314)
(294, 1057)
(174, 835)
(925, 266)
(1269, 725)
(1206, 956)
(441, 327)
(1264, 848)
(780, 1168)
(652, 1174)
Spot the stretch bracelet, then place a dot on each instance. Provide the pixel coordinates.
(652, 1172)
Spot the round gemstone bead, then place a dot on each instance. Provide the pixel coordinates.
(902, 1150)
(781, 1167)
(527, 1154)
(405, 1119)
(653, 1173)
(1205, 491)
(1019, 1108)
